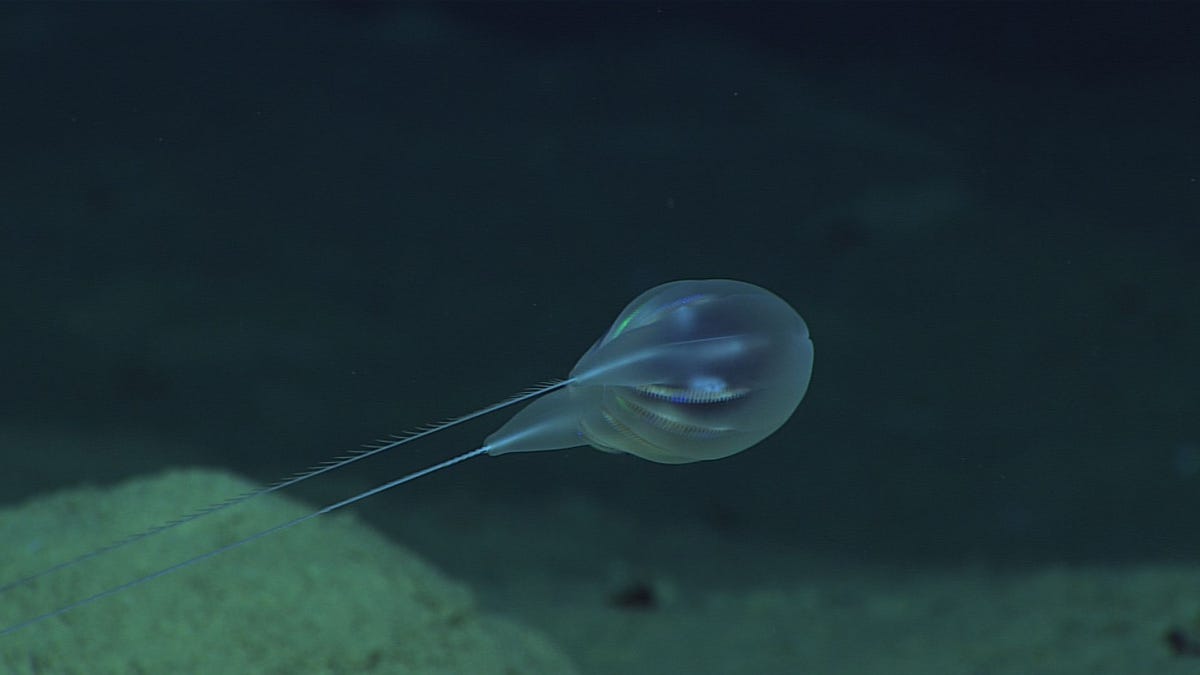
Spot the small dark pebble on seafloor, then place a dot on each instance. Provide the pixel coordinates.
(1182, 642)
(637, 596)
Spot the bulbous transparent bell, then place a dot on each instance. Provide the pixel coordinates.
(690, 371)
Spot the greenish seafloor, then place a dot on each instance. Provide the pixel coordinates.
(329, 596)
(1055, 622)
(729, 605)
(334, 596)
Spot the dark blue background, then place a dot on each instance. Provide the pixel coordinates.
(254, 236)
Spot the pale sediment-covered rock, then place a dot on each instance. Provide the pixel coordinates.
(328, 596)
